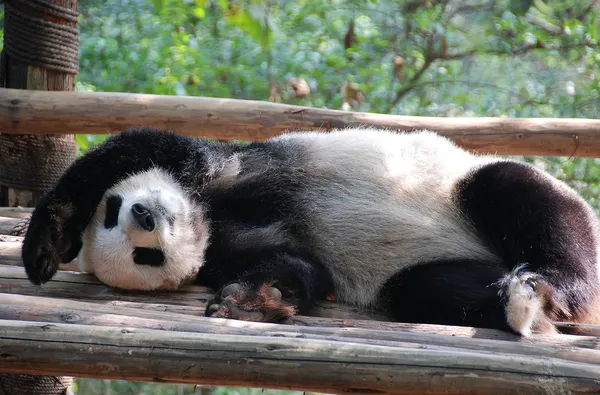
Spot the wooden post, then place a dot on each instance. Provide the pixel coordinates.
(40, 53)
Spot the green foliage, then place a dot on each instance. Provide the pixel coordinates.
(110, 387)
(514, 58)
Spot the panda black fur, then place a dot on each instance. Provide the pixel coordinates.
(406, 223)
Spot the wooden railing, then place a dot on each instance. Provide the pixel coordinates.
(42, 112)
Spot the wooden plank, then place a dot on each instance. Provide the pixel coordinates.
(32, 308)
(15, 212)
(7, 224)
(71, 287)
(10, 253)
(86, 287)
(579, 329)
(193, 299)
(332, 366)
(40, 112)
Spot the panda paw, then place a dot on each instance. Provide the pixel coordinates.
(526, 295)
(242, 302)
(48, 242)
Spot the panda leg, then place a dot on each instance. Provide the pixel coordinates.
(273, 290)
(546, 236)
(447, 292)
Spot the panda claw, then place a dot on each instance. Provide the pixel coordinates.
(239, 302)
(230, 289)
(531, 282)
(210, 310)
(275, 294)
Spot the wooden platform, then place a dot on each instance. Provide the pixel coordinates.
(74, 325)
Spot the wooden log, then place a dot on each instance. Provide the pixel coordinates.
(193, 299)
(15, 212)
(579, 329)
(70, 287)
(41, 112)
(82, 286)
(10, 253)
(7, 224)
(31, 308)
(336, 366)
(10, 239)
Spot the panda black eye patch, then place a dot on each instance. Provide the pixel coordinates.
(148, 256)
(113, 205)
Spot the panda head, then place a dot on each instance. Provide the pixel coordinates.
(147, 234)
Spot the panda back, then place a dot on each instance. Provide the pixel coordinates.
(377, 202)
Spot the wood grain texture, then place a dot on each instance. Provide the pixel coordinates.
(77, 326)
(15, 212)
(33, 308)
(40, 112)
(310, 364)
(10, 253)
(86, 287)
(7, 224)
(67, 289)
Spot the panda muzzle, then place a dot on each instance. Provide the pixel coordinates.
(143, 217)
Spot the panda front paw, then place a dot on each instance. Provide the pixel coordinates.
(50, 240)
(243, 302)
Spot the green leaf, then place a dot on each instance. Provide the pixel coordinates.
(250, 26)
(519, 7)
(158, 5)
(199, 12)
(82, 141)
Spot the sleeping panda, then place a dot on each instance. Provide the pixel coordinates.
(405, 223)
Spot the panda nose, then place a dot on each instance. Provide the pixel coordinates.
(143, 217)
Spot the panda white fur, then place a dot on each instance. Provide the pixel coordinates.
(158, 245)
(408, 223)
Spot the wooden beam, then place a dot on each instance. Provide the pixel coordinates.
(86, 287)
(7, 224)
(39, 112)
(33, 308)
(310, 364)
(15, 212)
(69, 288)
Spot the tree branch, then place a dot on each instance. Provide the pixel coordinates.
(411, 84)
(431, 58)
(588, 9)
(515, 51)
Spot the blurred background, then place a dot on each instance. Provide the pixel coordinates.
(501, 58)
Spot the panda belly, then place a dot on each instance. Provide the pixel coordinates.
(385, 208)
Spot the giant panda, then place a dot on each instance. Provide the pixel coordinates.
(406, 223)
